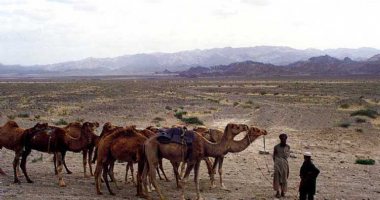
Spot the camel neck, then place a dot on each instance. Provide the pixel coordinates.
(238, 146)
(216, 149)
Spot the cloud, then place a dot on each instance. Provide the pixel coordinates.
(256, 2)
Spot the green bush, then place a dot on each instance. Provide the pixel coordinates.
(192, 120)
(360, 120)
(365, 161)
(37, 116)
(236, 103)
(179, 114)
(11, 117)
(249, 102)
(23, 115)
(344, 124)
(367, 112)
(158, 119)
(168, 108)
(61, 122)
(345, 106)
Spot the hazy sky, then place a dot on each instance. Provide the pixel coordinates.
(49, 31)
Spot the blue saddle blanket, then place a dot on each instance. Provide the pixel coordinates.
(176, 135)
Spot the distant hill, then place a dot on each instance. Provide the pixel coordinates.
(180, 61)
(321, 65)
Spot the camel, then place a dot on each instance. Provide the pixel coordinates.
(147, 133)
(123, 145)
(50, 139)
(84, 132)
(108, 128)
(174, 152)
(11, 138)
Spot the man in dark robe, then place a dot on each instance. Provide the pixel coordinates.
(308, 174)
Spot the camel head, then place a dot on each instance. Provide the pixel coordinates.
(254, 131)
(90, 126)
(234, 129)
(38, 127)
(108, 126)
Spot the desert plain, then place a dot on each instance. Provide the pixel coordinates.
(315, 112)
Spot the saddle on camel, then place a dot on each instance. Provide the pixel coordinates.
(177, 135)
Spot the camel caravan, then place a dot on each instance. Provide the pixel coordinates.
(185, 149)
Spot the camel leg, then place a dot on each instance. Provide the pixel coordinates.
(15, 167)
(176, 174)
(112, 174)
(209, 169)
(95, 155)
(84, 152)
(145, 180)
(98, 171)
(152, 175)
(132, 174)
(126, 173)
(184, 179)
(140, 168)
(220, 173)
(158, 172)
(55, 164)
(216, 162)
(196, 179)
(23, 165)
(59, 159)
(162, 170)
(64, 162)
(90, 150)
(183, 165)
(105, 177)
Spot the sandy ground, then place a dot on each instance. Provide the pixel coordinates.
(311, 126)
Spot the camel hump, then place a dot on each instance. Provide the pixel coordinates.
(74, 124)
(11, 124)
(123, 132)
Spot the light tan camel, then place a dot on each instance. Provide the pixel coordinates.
(174, 152)
(11, 137)
(124, 145)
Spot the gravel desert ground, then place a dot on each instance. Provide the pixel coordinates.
(316, 113)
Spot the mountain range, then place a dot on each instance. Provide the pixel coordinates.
(320, 66)
(272, 56)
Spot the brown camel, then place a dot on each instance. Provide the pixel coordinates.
(11, 137)
(148, 134)
(174, 152)
(108, 128)
(123, 145)
(235, 147)
(85, 133)
(50, 139)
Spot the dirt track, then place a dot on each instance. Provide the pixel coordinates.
(309, 111)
